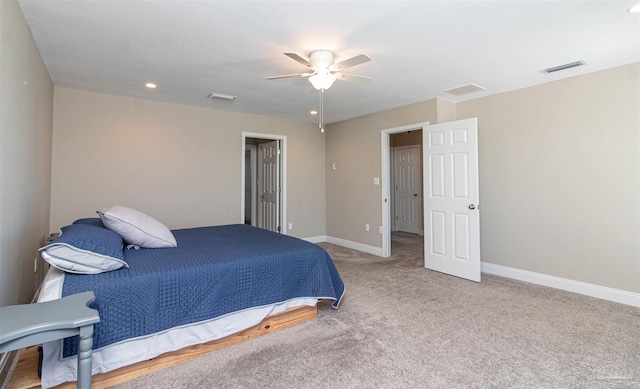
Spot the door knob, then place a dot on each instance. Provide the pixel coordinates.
(415, 195)
(472, 206)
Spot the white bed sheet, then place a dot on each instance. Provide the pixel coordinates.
(56, 370)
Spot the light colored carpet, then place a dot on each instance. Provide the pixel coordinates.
(402, 326)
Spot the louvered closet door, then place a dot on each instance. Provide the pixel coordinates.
(268, 186)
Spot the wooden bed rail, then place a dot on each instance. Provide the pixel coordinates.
(25, 373)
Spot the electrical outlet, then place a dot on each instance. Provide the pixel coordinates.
(291, 226)
(35, 265)
(366, 227)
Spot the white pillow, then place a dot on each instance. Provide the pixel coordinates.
(85, 249)
(71, 260)
(137, 228)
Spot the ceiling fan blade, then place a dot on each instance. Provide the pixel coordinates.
(299, 59)
(353, 78)
(353, 61)
(289, 75)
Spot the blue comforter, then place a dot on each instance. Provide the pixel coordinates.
(214, 271)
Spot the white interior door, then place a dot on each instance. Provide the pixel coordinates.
(268, 186)
(408, 210)
(251, 184)
(452, 220)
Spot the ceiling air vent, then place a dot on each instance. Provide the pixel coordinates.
(464, 89)
(565, 66)
(214, 95)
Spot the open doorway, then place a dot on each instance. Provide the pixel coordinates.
(402, 211)
(450, 184)
(406, 182)
(407, 217)
(263, 202)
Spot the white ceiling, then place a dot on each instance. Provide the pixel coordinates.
(418, 49)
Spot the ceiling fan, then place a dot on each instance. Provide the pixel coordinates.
(324, 70)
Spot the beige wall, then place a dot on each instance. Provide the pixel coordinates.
(180, 164)
(446, 110)
(559, 177)
(559, 168)
(354, 145)
(25, 156)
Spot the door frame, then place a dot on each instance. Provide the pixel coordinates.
(385, 136)
(283, 175)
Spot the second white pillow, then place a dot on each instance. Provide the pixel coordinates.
(137, 228)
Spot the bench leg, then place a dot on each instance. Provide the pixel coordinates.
(85, 344)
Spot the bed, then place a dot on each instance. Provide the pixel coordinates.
(218, 281)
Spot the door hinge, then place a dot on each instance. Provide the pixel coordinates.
(278, 151)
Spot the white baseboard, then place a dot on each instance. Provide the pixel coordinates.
(355, 245)
(592, 290)
(346, 243)
(601, 292)
(316, 239)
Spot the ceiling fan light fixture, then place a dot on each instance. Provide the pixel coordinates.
(322, 80)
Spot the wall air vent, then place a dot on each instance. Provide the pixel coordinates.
(565, 66)
(464, 89)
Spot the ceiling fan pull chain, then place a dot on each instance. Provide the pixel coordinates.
(321, 110)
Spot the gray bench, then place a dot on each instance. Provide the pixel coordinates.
(30, 324)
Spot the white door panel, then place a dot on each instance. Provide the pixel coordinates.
(452, 220)
(408, 210)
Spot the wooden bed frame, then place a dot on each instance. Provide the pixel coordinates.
(25, 373)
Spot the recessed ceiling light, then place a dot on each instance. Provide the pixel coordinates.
(313, 112)
(635, 9)
(150, 85)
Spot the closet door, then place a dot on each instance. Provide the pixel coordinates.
(408, 208)
(269, 186)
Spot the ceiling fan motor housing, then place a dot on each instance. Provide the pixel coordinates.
(321, 59)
